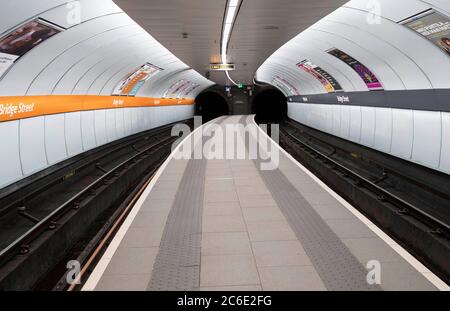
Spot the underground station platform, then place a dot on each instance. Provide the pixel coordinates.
(225, 154)
(234, 224)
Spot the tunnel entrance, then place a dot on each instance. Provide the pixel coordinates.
(211, 105)
(270, 106)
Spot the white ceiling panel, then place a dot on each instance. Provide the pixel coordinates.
(262, 26)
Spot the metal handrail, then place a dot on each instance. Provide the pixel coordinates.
(387, 194)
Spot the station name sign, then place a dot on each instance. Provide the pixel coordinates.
(221, 67)
(320, 99)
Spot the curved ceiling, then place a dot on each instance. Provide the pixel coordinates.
(261, 27)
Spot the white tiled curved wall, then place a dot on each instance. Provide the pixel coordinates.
(400, 58)
(418, 136)
(89, 58)
(36, 143)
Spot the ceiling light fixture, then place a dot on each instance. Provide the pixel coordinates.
(231, 12)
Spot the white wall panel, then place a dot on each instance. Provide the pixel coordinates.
(141, 119)
(153, 117)
(367, 126)
(311, 119)
(128, 125)
(328, 126)
(402, 133)
(345, 122)
(110, 125)
(445, 153)
(88, 130)
(427, 138)
(100, 127)
(74, 140)
(32, 145)
(55, 140)
(134, 120)
(336, 119)
(10, 168)
(355, 124)
(147, 118)
(120, 125)
(383, 129)
(300, 112)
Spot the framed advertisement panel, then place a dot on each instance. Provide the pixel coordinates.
(432, 25)
(365, 73)
(328, 81)
(193, 87)
(287, 88)
(23, 39)
(134, 81)
(174, 90)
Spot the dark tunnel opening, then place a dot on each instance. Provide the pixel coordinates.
(211, 105)
(270, 106)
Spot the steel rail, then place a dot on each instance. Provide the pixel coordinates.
(387, 195)
(79, 164)
(110, 233)
(49, 222)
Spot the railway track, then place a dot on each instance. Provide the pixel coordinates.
(45, 224)
(376, 192)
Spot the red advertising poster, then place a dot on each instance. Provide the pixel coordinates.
(365, 73)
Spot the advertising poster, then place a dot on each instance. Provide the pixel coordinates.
(191, 89)
(182, 89)
(23, 39)
(176, 88)
(133, 83)
(6, 61)
(284, 85)
(328, 81)
(365, 73)
(433, 26)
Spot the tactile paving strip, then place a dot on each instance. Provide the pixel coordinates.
(177, 265)
(336, 265)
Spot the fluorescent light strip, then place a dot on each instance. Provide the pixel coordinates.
(231, 10)
(230, 16)
(228, 75)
